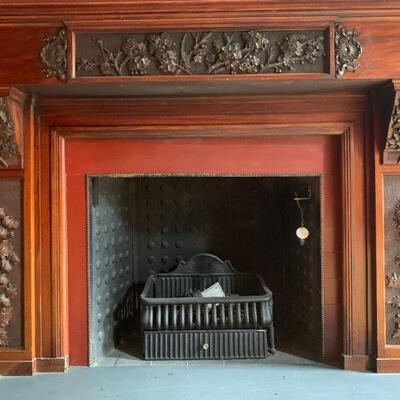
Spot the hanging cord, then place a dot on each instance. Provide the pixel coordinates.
(297, 200)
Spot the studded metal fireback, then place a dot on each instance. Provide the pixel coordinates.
(110, 259)
(182, 216)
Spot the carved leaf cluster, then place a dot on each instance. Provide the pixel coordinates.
(393, 279)
(396, 329)
(347, 50)
(8, 146)
(8, 261)
(396, 218)
(250, 53)
(393, 140)
(394, 301)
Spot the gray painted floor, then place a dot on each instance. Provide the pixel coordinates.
(285, 377)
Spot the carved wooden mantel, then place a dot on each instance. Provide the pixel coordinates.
(211, 68)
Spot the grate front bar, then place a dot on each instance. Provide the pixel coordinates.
(205, 345)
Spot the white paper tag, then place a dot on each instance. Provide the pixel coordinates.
(213, 291)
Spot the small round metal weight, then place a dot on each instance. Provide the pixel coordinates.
(302, 233)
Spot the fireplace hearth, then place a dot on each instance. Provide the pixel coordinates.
(141, 224)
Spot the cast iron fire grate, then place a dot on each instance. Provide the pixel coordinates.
(179, 324)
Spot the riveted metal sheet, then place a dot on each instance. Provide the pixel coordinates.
(110, 248)
(182, 216)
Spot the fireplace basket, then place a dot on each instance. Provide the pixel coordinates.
(178, 325)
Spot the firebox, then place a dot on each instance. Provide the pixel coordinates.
(142, 224)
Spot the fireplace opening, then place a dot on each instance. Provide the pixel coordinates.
(141, 224)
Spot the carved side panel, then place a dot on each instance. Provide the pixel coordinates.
(9, 153)
(392, 257)
(10, 264)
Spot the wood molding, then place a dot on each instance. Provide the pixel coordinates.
(43, 365)
(30, 367)
(357, 362)
(57, 120)
(56, 9)
(17, 368)
(138, 121)
(388, 365)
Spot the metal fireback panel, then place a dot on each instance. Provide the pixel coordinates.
(110, 259)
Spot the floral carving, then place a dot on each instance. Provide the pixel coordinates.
(347, 50)
(396, 218)
(396, 329)
(393, 279)
(8, 146)
(8, 260)
(394, 301)
(54, 54)
(203, 53)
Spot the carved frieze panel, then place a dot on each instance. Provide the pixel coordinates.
(11, 316)
(200, 53)
(8, 145)
(217, 52)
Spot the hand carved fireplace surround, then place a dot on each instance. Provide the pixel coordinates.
(173, 89)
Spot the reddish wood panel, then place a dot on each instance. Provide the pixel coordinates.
(380, 56)
(22, 43)
(299, 154)
(55, 8)
(20, 54)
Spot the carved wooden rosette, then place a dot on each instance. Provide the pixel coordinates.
(54, 55)
(8, 261)
(8, 145)
(347, 50)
